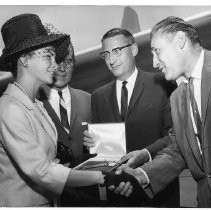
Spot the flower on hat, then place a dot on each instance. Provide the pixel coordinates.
(51, 29)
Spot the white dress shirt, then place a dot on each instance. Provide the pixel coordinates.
(130, 85)
(53, 98)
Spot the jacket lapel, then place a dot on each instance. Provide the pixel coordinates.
(137, 90)
(43, 98)
(112, 101)
(188, 125)
(205, 85)
(205, 100)
(43, 117)
(74, 107)
(39, 111)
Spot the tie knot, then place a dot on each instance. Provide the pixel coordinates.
(60, 93)
(124, 83)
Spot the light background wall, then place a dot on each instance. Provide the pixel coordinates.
(87, 23)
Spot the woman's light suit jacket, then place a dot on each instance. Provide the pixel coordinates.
(29, 175)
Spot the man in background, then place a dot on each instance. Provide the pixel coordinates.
(68, 108)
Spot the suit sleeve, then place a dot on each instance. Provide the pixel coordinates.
(165, 167)
(27, 153)
(94, 109)
(165, 128)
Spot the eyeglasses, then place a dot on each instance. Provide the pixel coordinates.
(116, 52)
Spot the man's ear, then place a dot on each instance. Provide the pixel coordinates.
(180, 39)
(134, 49)
(24, 62)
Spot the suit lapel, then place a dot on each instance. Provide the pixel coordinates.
(48, 127)
(188, 125)
(74, 107)
(205, 95)
(137, 90)
(39, 112)
(205, 85)
(112, 101)
(51, 112)
(49, 109)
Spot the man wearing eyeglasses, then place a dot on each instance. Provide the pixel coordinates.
(139, 99)
(68, 108)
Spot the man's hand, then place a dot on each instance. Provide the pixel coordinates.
(89, 139)
(125, 188)
(137, 158)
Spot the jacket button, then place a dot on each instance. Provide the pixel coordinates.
(208, 175)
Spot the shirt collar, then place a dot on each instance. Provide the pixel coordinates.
(196, 74)
(131, 79)
(52, 93)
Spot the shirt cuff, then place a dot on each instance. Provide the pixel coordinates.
(139, 177)
(150, 158)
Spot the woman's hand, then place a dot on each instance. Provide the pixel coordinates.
(79, 178)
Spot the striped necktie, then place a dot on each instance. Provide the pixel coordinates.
(63, 111)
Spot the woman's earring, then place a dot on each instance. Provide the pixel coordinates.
(25, 64)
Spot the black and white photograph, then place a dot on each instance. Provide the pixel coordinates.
(105, 104)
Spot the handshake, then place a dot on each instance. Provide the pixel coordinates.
(111, 179)
(127, 178)
(124, 180)
(124, 184)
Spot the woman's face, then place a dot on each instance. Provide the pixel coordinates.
(42, 64)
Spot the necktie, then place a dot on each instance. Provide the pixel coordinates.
(63, 111)
(124, 98)
(196, 115)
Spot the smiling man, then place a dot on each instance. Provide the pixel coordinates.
(68, 108)
(177, 51)
(138, 99)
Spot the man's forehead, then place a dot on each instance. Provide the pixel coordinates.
(157, 39)
(115, 41)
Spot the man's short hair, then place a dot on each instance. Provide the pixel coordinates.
(63, 50)
(171, 25)
(118, 31)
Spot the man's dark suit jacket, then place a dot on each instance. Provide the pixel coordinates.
(184, 152)
(80, 112)
(148, 118)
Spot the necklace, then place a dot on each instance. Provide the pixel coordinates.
(21, 88)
